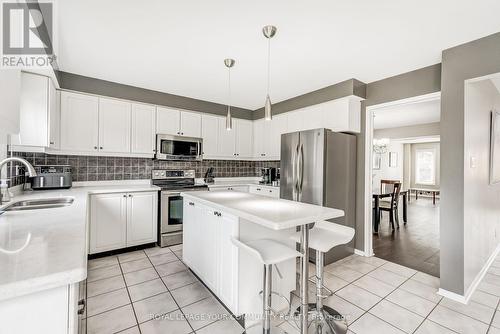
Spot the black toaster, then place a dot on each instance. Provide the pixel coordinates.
(52, 177)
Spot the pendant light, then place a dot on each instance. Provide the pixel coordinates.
(229, 120)
(269, 32)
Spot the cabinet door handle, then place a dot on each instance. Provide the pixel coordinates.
(52, 143)
(124, 195)
(100, 148)
(95, 147)
(129, 195)
(191, 203)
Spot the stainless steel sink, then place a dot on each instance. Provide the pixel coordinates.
(37, 204)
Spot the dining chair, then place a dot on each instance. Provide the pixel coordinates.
(387, 185)
(393, 205)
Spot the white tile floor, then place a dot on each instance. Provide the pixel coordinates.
(151, 291)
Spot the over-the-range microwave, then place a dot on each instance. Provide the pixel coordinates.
(170, 147)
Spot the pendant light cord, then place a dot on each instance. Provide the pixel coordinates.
(229, 81)
(268, 64)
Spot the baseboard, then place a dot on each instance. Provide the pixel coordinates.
(452, 295)
(472, 288)
(362, 253)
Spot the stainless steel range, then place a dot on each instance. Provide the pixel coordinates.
(172, 183)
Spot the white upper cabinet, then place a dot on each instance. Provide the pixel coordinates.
(210, 135)
(10, 95)
(220, 143)
(143, 128)
(273, 131)
(38, 116)
(114, 125)
(190, 125)
(244, 138)
(33, 119)
(178, 123)
(343, 114)
(54, 117)
(267, 137)
(79, 122)
(168, 121)
(227, 141)
(258, 139)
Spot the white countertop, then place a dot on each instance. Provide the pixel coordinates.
(56, 253)
(273, 213)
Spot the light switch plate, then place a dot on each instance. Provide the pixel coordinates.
(473, 162)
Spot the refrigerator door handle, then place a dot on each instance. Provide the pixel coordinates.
(300, 176)
(295, 156)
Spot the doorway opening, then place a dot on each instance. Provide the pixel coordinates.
(402, 182)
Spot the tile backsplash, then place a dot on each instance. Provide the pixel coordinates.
(92, 168)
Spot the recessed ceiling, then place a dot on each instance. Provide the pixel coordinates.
(179, 46)
(416, 113)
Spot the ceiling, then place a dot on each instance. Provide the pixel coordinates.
(179, 46)
(416, 113)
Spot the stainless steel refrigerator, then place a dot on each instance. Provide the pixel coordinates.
(319, 167)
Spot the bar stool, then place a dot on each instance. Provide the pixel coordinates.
(269, 252)
(322, 238)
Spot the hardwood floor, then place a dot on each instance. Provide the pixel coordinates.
(416, 244)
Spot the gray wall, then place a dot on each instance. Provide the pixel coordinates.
(415, 83)
(412, 131)
(482, 210)
(102, 87)
(475, 59)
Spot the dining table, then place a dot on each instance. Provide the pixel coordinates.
(380, 194)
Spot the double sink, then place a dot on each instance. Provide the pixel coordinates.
(37, 204)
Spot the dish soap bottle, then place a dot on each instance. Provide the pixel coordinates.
(4, 191)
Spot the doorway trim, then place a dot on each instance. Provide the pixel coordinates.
(368, 237)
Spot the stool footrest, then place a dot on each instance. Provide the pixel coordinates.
(288, 302)
(323, 287)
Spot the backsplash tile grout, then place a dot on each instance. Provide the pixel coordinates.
(92, 168)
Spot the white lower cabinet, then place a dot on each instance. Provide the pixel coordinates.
(121, 220)
(209, 252)
(141, 218)
(53, 311)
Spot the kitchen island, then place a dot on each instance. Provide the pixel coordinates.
(211, 219)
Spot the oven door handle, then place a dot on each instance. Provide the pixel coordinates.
(167, 193)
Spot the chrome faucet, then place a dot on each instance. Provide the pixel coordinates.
(29, 167)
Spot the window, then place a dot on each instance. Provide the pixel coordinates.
(425, 167)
